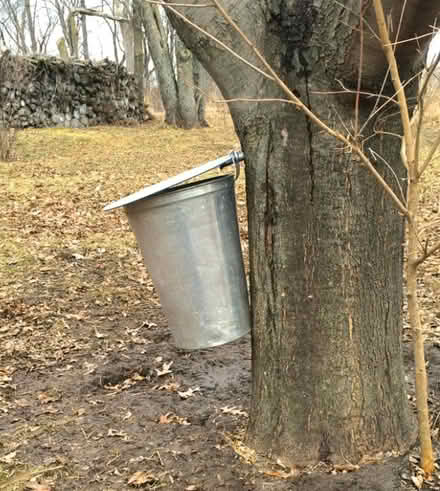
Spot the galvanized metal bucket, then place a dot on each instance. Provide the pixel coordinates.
(190, 242)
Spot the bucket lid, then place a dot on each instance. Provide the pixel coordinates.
(232, 158)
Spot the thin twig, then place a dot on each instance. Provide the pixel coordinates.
(428, 253)
(97, 13)
(408, 40)
(172, 4)
(395, 77)
(359, 80)
(377, 108)
(251, 99)
(349, 92)
(378, 156)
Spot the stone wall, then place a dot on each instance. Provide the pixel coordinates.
(47, 91)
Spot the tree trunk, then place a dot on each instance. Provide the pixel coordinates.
(73, 37)
(158, 46)
(185, 87)
(326, 256)
(138, 51)
(85, 38)
(127, 34)
(31, 26)
(62, 49)
(201, 87)
(325, 242)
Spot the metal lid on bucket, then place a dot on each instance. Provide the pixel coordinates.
(220, 163)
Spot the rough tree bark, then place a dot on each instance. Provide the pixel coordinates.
(176, 85)
(325, 240)
(138, 50)
(201, 87)
(160, 55)
(85, 37)
(185, 89)
(31, 26)
(121, 9)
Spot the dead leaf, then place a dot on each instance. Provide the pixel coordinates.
(8, 458)
(170, 387)
(136, 376)
(282, 474)
(116, 433)
(45, 398)
(346, 467)
(188, 393)
(99, 335)
(417, 481)
(22, 402)
(35, 486)
(165, 369)
(235, 411)
(171, 418)
(140, 478)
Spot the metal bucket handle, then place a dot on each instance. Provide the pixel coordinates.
(235, 159)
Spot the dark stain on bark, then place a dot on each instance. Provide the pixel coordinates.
(324, 448)
(310, 136)
(293, 23)
(269, 235)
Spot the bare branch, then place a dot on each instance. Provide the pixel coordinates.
(359, 80)
(378, 156)
(159, 2)
(395, 77)
(428, 253)
(96, 13)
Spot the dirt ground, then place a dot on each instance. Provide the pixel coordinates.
(93, 393)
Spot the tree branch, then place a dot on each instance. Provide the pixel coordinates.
(395, 77)
(428, 253)
(96, 13)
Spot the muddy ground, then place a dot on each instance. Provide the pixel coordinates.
(93, 393)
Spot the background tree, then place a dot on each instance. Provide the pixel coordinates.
(85, 37)
(25, 26)
(122, 9)
(173, 64)
(325, 241)
(68, 24)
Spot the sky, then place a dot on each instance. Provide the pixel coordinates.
(99, 38)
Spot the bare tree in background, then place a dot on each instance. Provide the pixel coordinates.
(68, 23)
(85, 37)
(173, 64)
(25, 26)
(123, 9)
